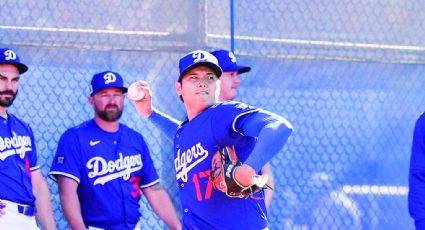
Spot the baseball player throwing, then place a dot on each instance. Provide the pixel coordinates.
(254, 134)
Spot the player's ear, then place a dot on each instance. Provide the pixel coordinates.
(178, 86)
(91, 100)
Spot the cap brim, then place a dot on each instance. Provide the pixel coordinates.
(21, 67)
(217, 70)
(123, 89)
(240, 69)
(244, 69)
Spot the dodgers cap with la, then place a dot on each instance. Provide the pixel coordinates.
(198, 58)
(227, 61)
(106, 79)
(8, 56)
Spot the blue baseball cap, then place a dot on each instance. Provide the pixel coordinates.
(8, 56)
(106, 79)
(198, 58)
(227, 61)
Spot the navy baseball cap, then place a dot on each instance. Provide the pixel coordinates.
(106, 79)
(8, 56)
(198, 58)
(227, 61)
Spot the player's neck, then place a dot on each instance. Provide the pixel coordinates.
(192, 112)
(223, 98)
(3, 112)
(107, 126)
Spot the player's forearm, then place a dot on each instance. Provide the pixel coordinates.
(271, 140)
(71, 208)
(43, 203)
(167, 212)
(166, 124)
(73, 215)
(161, 204)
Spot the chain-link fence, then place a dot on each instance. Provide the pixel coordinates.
(347, 75)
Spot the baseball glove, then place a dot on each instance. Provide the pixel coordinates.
(240, 185)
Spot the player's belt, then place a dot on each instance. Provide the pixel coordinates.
(26, 210)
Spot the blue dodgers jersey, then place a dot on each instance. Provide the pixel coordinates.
(416, 199)
(110, 169)
(195, 143)
(18, 157)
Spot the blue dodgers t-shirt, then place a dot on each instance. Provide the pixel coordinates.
(110, 169)
(18, 157)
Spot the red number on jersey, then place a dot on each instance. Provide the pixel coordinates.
(135, 181)
(209, 187)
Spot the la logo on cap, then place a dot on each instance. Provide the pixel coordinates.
(109, 78)
(232, 57)
(9, 55)
(199, 56)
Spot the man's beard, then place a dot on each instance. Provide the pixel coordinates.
(109, 115)
(6, 102)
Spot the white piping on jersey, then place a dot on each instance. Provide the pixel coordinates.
(150, 184)
(240, 115)
(53, 175)
(34, 168)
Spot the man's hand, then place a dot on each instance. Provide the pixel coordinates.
(144, 106)
(2, 205)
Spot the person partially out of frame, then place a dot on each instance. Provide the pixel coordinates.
(24, 195)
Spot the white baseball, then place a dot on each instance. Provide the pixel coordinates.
(134, 93)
